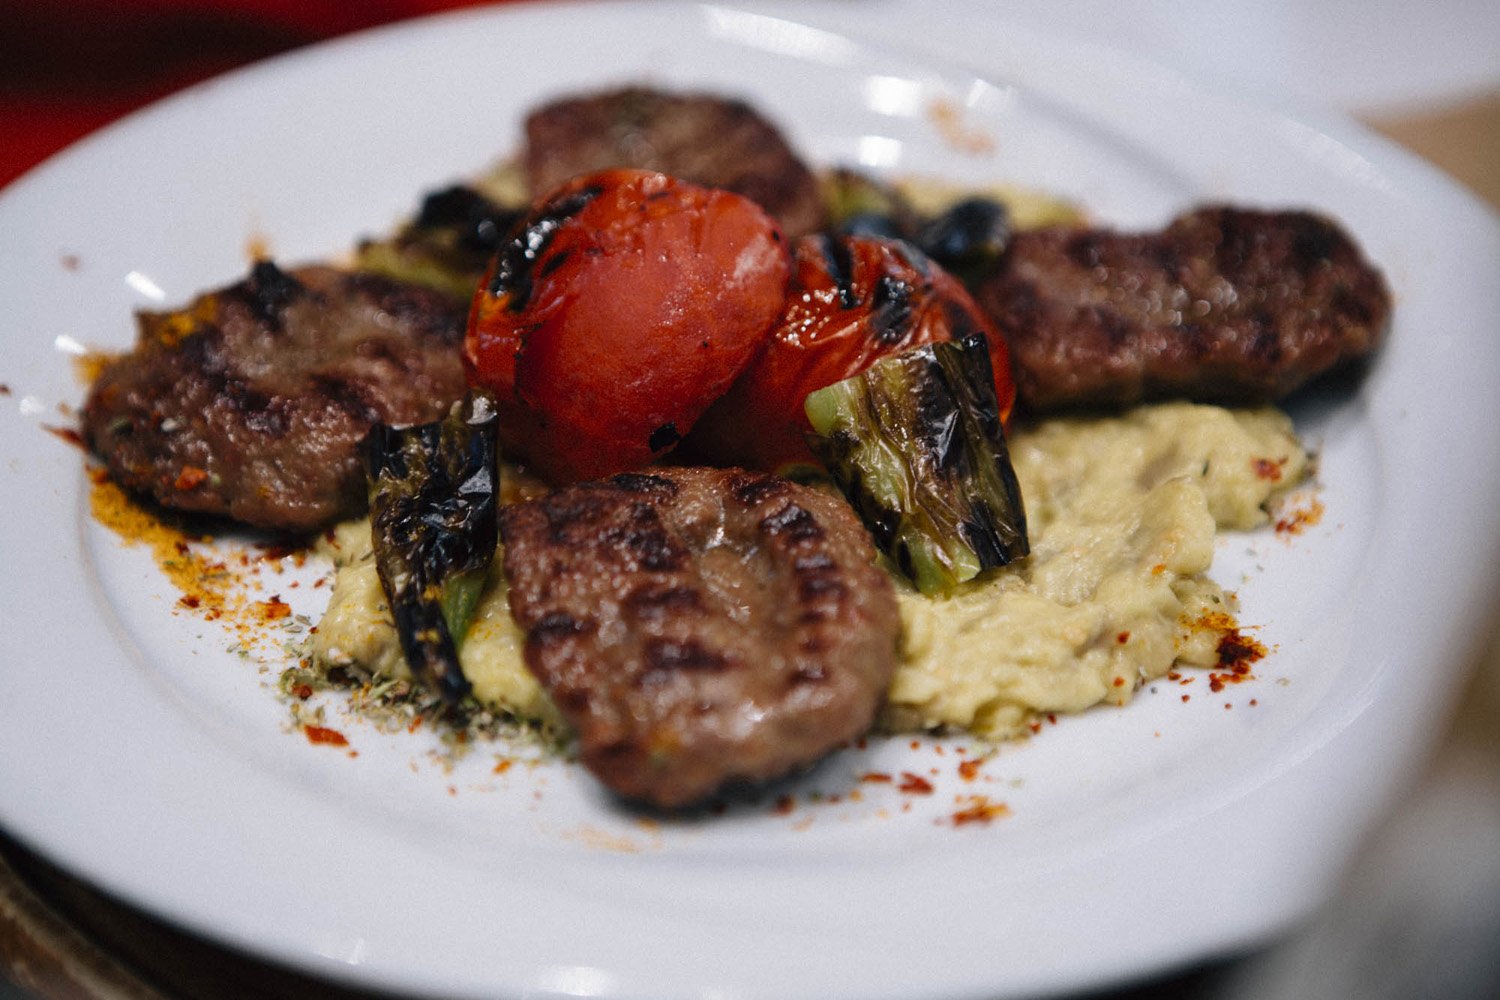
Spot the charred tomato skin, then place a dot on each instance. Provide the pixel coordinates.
(616, 312)
(853, 300)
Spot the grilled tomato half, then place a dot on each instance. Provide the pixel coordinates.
(616, 312)
(853, 300)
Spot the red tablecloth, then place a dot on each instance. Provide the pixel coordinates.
(69, 66)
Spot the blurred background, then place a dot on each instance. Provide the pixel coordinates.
(1420, 916)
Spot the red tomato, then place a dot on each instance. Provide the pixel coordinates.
(853, 301)
(626, 303)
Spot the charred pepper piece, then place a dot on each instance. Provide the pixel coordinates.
(967, 238)
(861, 205)
(915, 443)
(434, 492)
(447, 246)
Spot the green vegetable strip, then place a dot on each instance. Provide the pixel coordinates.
(915, 442)
(447, 246)
(434, 491)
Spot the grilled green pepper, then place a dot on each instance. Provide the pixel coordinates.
(862, 205)
(967, 238)
(447, 246)
(434, 492)
(915, 443)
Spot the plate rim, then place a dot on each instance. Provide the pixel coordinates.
(287, 63)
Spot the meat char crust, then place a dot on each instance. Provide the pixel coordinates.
(251, 402)
(1224, 305)
(701, 138)
(701, 627)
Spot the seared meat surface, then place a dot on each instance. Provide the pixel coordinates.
(700, 138)
(700, 627)
(251, 402)
(1224, 305)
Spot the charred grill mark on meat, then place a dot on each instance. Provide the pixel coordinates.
(1224, 305)
(251, 402)
(700, 627)
(700, 138)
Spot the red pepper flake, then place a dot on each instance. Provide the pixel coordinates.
(1254, 702)
(1237, 651)
(969, 769)
(937, 748)
(1035, 727)
(916, 744)
(272, 609)
(1158, 569)
(67, 434)
(980, 810)
(190, 478)
(303, 691)
(322, 734)
(4, 389)
(914, 784)
(189, 600)
(1227, 706)
(1269, 469)
(1052, 717)
(502, 765)
(1122, 638)
(784, 805)
(874, 777)
(415, 724)
(1296, 520)
(1119, 682)
(1187, 697)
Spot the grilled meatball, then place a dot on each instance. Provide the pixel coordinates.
(699, 627)
(251, 402)
(700, 138)
(1224, 305)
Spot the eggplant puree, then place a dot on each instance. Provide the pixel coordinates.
(1123, 513)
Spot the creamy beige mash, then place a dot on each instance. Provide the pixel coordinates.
(1122, 511)
(357, 631)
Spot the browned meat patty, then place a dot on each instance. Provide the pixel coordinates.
(251, 402)
(1224, 305)
(701, 627)
(708, 140)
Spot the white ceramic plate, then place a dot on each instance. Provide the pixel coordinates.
(139, 753)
